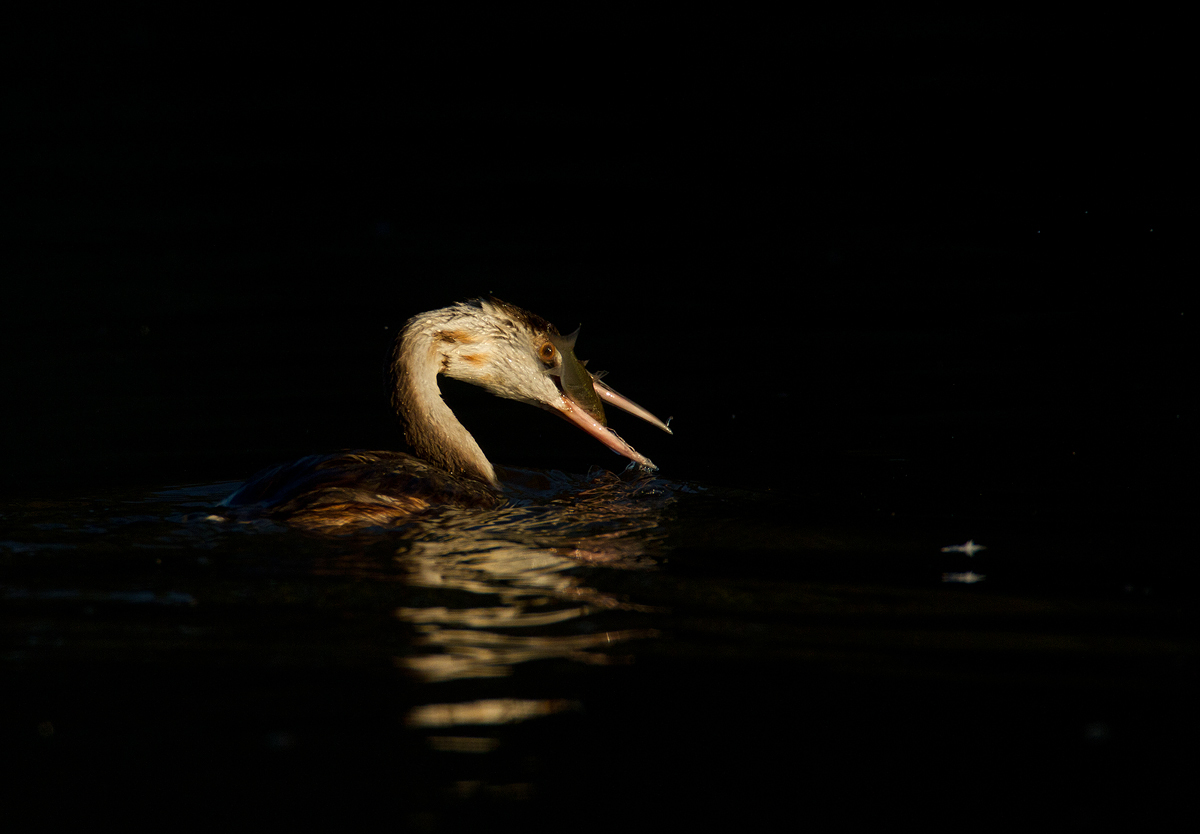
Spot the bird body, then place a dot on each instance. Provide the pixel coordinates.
(487, 342)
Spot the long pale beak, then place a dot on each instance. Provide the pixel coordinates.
(625, 404)
(574, 413)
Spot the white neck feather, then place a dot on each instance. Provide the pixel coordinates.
(429, 345)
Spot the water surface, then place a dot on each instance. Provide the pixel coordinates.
(599, 649)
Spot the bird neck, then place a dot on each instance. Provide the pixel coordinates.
(430, 427)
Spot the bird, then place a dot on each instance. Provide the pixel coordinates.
(510, 352)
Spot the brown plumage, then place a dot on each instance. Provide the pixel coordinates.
(509, 351)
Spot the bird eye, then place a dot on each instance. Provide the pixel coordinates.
(546, 353)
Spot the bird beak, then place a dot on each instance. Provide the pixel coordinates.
(626, 404)
(575, 413)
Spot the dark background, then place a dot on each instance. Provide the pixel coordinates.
(906, 277)
(812, 238)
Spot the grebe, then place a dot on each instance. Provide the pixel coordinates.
(509, 351)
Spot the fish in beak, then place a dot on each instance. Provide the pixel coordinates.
(583, 397)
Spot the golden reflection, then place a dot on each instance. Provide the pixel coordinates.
(490, 711)
(533, 589)
(505, 587)
(487, 617)
(480, 654)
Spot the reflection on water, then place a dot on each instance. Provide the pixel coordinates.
(510, 593)
(666, 642)
(522, 559)
(452, 598)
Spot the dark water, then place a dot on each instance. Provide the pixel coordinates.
(604, 651)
